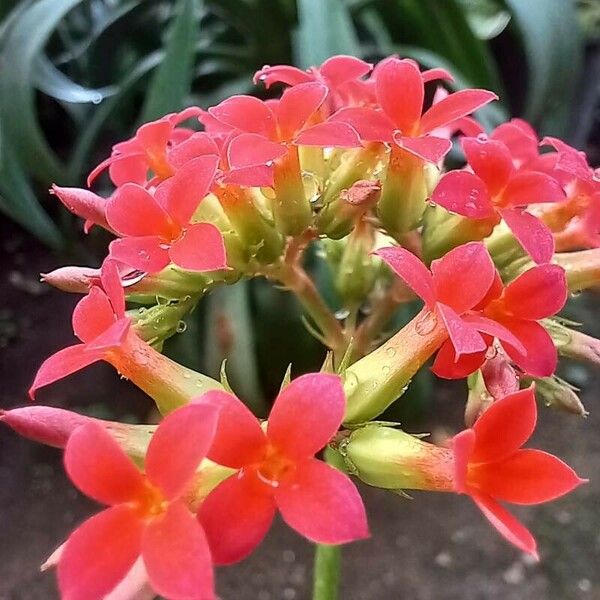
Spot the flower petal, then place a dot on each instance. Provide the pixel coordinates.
(322, 504)
(428, 147)
(98, 466)
(412, 271)
(519, 137)
(307, 414)
(335, 134)
(540, 357)
(463, 276)
(201, 248)
(251, 149)
(92, 315)
(239, 439)
(198, 144)
(99, 554)
(449, 366)
(236, 516)
(508, 526)
(177, 557)
(533, 235)
(538, 293)
(400, 92)
(133, 211)
(297, 105)
(495, 330)
(178, 446)
(457, 105)
(464, 337)
(341, 68)
(245, 113)
(490, 160)
(145, 254)
(465, 194)
(504, 427)
(281, 74)
(181, 194)
(62, 363)
(371, 125)
(526, 477)
(111, 284)
(531, 187)
(462, 448)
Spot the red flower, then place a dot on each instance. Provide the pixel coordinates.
(158, 226)
(147, 514)
(455, 286)
(271, 127)
(338, 73)
(491, 466)
(277, 470)
(496, 190)
(400, 89)
(148, 150)
(99, 321)
(538, 293)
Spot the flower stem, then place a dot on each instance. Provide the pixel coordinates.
(326, 576)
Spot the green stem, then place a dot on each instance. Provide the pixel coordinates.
(326, 578)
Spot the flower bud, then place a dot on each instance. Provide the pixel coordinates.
(392, 459)
(572, 343)
(84, 204)
(404, 193)
(376, 380)
(338, 217)
(443, 231)
(558, 394)
(77, 280)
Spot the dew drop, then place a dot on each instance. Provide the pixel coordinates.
(482, 137)
(385, 369)
(391, 352)
(426, 323)
(181, 327)
(342, 313)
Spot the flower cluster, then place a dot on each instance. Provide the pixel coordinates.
(350, 159)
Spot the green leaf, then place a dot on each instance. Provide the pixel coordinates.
(18, 201)
(325, 28)
(552, 41)
(172, 80)
(25, 41)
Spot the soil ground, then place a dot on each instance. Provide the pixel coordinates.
(434, 547)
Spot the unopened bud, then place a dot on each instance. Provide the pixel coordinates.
(558, 394)
(338, 217)
(159, 322)
(77, 280)
(392, 459)
(84, 204)
(572, 343)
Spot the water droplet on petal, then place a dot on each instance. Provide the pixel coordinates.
(426, 323)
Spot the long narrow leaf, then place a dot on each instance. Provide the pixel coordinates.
(172, 80)
(325, 28)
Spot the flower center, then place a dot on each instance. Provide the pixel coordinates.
(274, 468)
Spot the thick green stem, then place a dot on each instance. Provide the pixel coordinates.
(326, 577)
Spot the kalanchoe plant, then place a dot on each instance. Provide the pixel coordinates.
(349, 162)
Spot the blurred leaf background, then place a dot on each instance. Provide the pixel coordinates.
(76, 76)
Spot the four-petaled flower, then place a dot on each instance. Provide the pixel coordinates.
(99, 321)
(277, 470)
(147, 514)
(496, 190)
(400, 90)
(491, 467)
(157, 227)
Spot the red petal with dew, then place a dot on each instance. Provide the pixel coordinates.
(239, 439)
(201, 248)
(250, 149)
(412, 271)
(99, 554)
(526, 477)
(538, 293)
(307, 414)
(428, 147)
(178, 446)
(297, 105)
(490, 160)
(531, 187)
(533, 235)
(236, 516)
(146, 254)
(100, 468)
(246, 113)
(508, 526)
(372, 125)
(465, 194)
(540, 357)
(463, 276)
(333, 133)
(457, 105)
(176, 555)
(505, 426)
(322, 504)
(464, 337)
